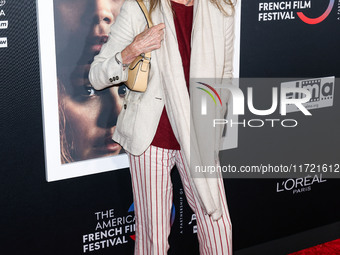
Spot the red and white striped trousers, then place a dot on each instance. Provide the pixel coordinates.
(152, 194)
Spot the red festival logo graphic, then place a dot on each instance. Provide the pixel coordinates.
(313, 21)
(172, 217)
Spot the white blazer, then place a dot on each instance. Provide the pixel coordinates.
(137, 122)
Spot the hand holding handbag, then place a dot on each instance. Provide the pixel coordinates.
(140, 67)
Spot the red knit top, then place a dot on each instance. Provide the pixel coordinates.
(183, 16)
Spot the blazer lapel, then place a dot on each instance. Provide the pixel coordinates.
(168, 18)
(194, 21)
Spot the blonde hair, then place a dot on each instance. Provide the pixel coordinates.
(66, 142)
(218, 3)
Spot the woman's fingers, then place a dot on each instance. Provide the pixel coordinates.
(150, 39)
(160, 26)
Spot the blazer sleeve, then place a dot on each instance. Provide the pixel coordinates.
(105, 71)
(229, 46)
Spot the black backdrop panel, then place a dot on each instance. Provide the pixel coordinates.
(286, 48)
(289, 48)
(51, 218)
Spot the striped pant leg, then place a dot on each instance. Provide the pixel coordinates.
(215, 237)
(152, 194)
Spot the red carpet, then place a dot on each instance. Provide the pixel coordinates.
(329, 248)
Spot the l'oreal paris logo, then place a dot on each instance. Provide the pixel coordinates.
(299, 185)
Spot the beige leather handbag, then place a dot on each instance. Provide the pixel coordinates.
(140, 67)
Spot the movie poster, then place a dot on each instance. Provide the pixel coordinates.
(78, 120)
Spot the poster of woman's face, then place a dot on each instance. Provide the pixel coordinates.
(86, 118)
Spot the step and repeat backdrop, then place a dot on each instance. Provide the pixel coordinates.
(65, 185)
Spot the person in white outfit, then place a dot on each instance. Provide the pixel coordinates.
(190, 39)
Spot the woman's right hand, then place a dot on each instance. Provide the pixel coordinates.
(149, 40)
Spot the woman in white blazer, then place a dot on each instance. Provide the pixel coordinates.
(210, 49)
